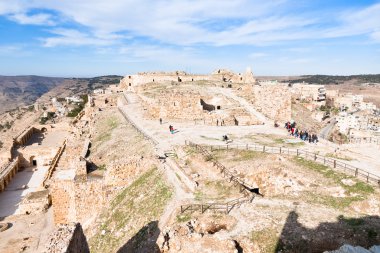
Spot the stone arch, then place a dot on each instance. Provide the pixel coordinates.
(44, 129)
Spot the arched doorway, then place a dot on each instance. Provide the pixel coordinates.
(33, 161)
(43, 130)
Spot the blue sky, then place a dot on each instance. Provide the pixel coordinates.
(278, 37)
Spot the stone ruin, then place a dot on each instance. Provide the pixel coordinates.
(193, 106)
(220, 75)
(68, 238)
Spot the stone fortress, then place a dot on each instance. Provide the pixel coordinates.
(270, 98)
(53, 167)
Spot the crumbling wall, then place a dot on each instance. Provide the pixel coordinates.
(63, 201)
(123, 172)
(159, 77)
(176, 105)
(68, 238)
(76, 201)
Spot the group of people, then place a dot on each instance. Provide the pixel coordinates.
(302, 134)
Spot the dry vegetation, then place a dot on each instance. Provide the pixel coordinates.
(292, 187)
(132, 217)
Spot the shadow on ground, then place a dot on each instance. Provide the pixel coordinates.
(144, 241)
(295, 237)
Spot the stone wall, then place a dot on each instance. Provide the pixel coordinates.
(143, 78)
(273, 100)
(223, 75)
(76, 201)
(202, 109)
(35, 202)
(68, 238)
(175, 105)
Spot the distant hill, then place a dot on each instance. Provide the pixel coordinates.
(326, 79)
(18, 91)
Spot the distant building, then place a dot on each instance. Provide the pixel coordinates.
(309, 92)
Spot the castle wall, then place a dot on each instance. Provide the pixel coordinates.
(76, 201)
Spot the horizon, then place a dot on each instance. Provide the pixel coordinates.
(281, 38)
(105, 75)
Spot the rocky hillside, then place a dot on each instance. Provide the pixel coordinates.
(25, 90)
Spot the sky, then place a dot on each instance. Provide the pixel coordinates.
(82, 38)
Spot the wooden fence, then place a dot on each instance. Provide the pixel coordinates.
(328, 161)
(225, 207)
(375, 140)
(237, 181)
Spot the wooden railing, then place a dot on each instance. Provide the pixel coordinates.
(328, 161)
(231, 177)
(375, 140)
(54, 164)
(226, 206)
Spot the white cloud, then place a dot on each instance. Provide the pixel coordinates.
(73, 38)
(37, 19)
(189, 22)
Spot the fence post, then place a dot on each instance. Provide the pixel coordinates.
(280, 150)
(297, 151)
(315, 157)
(227, 208)
(334, 164)
(264, 149)
(227, 146)
(324, 160)
(181, 209)
(367, 177)
(201, 208)
(356, 172)
(247, 146)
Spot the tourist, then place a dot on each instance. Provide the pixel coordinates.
(171, 129)
(217, 122)
(160, 121)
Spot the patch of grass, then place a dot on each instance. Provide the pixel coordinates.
(198, 195)
(331, 201)
(209, 158)
(359, 187)
(102, 167)
(346, 158)
(179, 178)
(183, 217)
(245, 155)
(353, 222)
(357, 192)
(238, 154)
(266, 239)
(143, 201)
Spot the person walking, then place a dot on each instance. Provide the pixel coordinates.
(160, 121)
(217, 122)
(171, 129)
